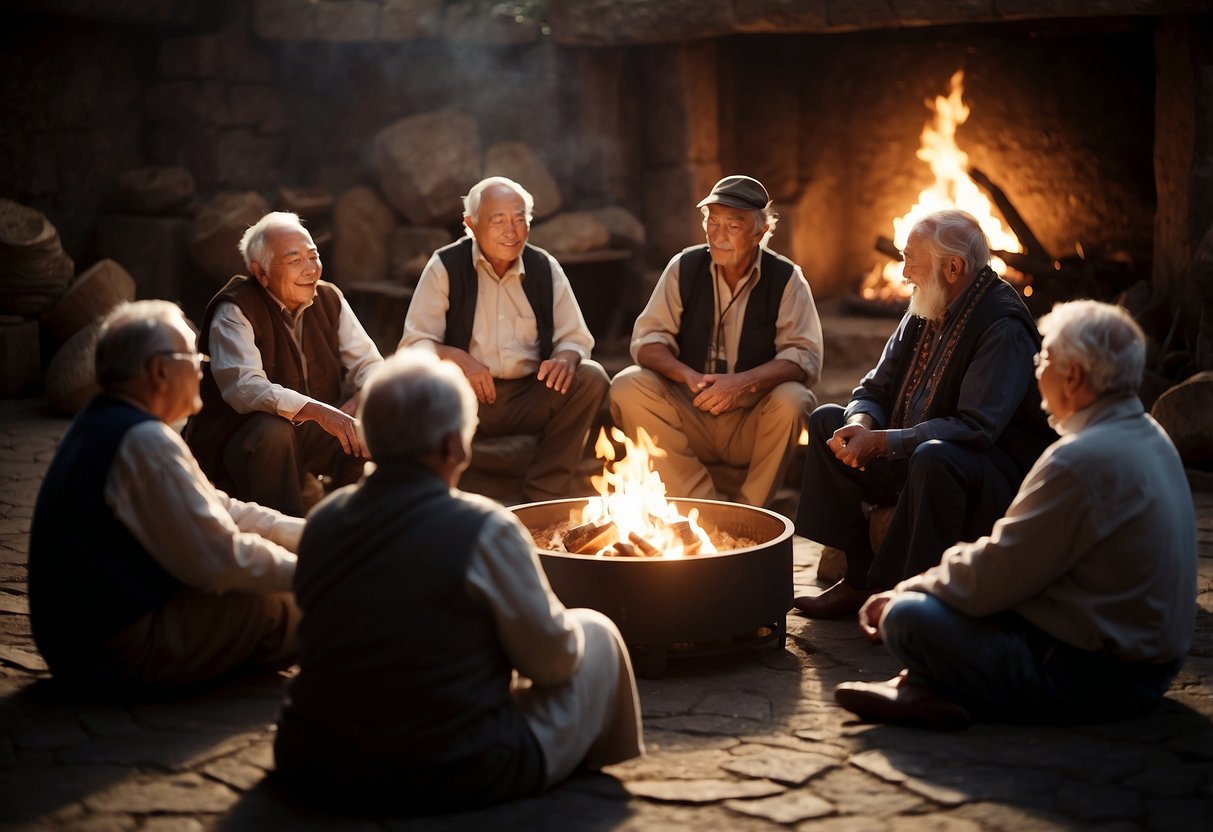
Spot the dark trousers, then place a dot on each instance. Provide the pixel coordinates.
(944, 493)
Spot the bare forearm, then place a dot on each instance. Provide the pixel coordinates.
(661, 360)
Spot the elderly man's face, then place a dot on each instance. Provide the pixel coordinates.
(1055, 398)
(293, 269)
(733, 235)
(182, 370)
(500, 226)
(930, 298)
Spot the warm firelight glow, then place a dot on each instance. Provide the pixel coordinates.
(952, 188)
(632, 495)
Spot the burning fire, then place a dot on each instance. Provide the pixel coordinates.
(953, 188)
(631, 508)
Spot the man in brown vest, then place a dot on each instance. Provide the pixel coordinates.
(288, 357)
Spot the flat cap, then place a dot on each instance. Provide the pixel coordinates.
(739, 192)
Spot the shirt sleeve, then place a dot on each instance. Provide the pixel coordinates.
(238, 371)
(658, 323)
(425, 322)
(798, 328)
(359, 355)
(198, 534)
(1045, 532)
(569, 330)
(877, 389)
(542, 641)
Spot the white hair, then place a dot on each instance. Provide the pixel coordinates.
(953, 233)
(762, 216)
(471, 202)
(411, 402)
(131, 334)
(253, 247)
(1101, 338)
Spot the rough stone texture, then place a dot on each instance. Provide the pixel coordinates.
(285, 19)
(70, 378)
(601, 22)
(153, 251)
(571, 233)
(671, 217)
(499, 24)
(34, 269)
(217, 229)
(155, 190)
(311, 202)
(362, 225)
(410, 248)
(426, 163)
(517, 161)
(1184, 412)
(625, 229)
(99, 289)
(681, 116)
(409, 19)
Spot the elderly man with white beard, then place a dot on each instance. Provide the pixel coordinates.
(944, 428)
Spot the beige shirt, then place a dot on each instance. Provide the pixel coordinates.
(201, 536)
(505, 333)
(797, 328)
(1098, 549)
(240, 375)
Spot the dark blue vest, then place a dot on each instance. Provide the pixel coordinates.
(698, 293)
(89, 578)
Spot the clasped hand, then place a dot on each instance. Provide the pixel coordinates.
(856, 445)
(718, 393)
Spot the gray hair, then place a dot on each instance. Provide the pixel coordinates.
(411, 402)
(956, 233)
(253, 247)
(131, 334)
(1101, 338)
(471, 202)
(762, 216)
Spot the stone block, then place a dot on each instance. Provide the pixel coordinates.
(311, 202)
(90, 297)
(410, 248)
(573, 232)
(34, 268)
(217, 229)
(347, 21)
(624, 228)
(362, 224)
(681, 114)
(401, 20)
(256, 105)
(71, 379)
(151, 249)
(284, 19)
(245, 159)
(1183, 411)
(670, 214)
(426, 163)
(613, 22)
(781, 15)
(517, 161)
(155, 190)
(19, 357)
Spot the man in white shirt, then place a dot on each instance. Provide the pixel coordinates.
(1080, 604)
(504, 312)
(288, 357)
(437, 670)
(141, 572)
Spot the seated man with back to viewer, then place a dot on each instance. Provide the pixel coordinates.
(286, 352)
(726, 351)
(944, 427)
(504, 311)
(420, 602)
(1080, 604)
(141, 573)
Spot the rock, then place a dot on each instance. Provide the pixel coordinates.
(625, 229)
(102, 287)
(19, 358)
(571, 233)
(517, 161)
(497, 24)
(155, 190)
(362, 224)
(71, 378)
(426, 163)
(216, 232)
(611, 22)
(310, 202)
(410, 248)
(1183, 411)
(410, 19)
(34, 268)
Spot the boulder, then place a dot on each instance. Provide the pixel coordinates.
(571, 233)
(625, 229)
(426, 163)
(362, 224)
(410, 248)
(310, 202)
(155, 190)
(216, 232)
(34, 268)
(517, 161)
(89, 298)
(71, 378)
(1183, 411)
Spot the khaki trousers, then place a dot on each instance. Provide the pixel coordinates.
(759, 438)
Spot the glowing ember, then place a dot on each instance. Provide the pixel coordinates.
(953, 188)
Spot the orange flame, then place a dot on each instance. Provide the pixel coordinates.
(952, 188)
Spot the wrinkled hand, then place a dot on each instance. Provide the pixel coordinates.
(856, 446)
(559, 370)
(871, 613)
(350, 408)
(478, 376)
(335, 423)
(721, 392)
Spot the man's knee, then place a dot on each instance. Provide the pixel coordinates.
(628, 388)
(911, 616)
(267, 432)
(789, 401)
(825, 420)
(935, 461)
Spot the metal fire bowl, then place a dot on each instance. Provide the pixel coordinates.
(702, 599)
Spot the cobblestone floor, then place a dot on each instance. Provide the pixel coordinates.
(745, 742)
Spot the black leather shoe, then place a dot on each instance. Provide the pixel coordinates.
(839, 601)
(901, 702)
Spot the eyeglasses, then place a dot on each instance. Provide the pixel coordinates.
(196, 358)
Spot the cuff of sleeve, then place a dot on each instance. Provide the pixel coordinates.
(290, 403)
(577, 348)
(898, 443)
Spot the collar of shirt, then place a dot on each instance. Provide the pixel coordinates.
(746, 282)
(292, 318)
(1107, 407)
(482, 264)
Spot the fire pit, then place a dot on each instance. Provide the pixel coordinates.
(694, 605)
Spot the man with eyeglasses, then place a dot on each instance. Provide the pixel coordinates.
(726, 351)
(142, 574)
(504, 312)
(288, 360)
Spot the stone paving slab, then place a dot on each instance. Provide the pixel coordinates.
(749, 741)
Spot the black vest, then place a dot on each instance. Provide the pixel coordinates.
(698, 293)
(461, 310)
(403, 684)
(89, 578)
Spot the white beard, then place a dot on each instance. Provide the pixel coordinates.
(931, 300)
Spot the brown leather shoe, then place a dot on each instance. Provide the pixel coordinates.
(838, 601)
(901, 702)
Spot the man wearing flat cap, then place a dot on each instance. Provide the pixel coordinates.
(726, 351)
